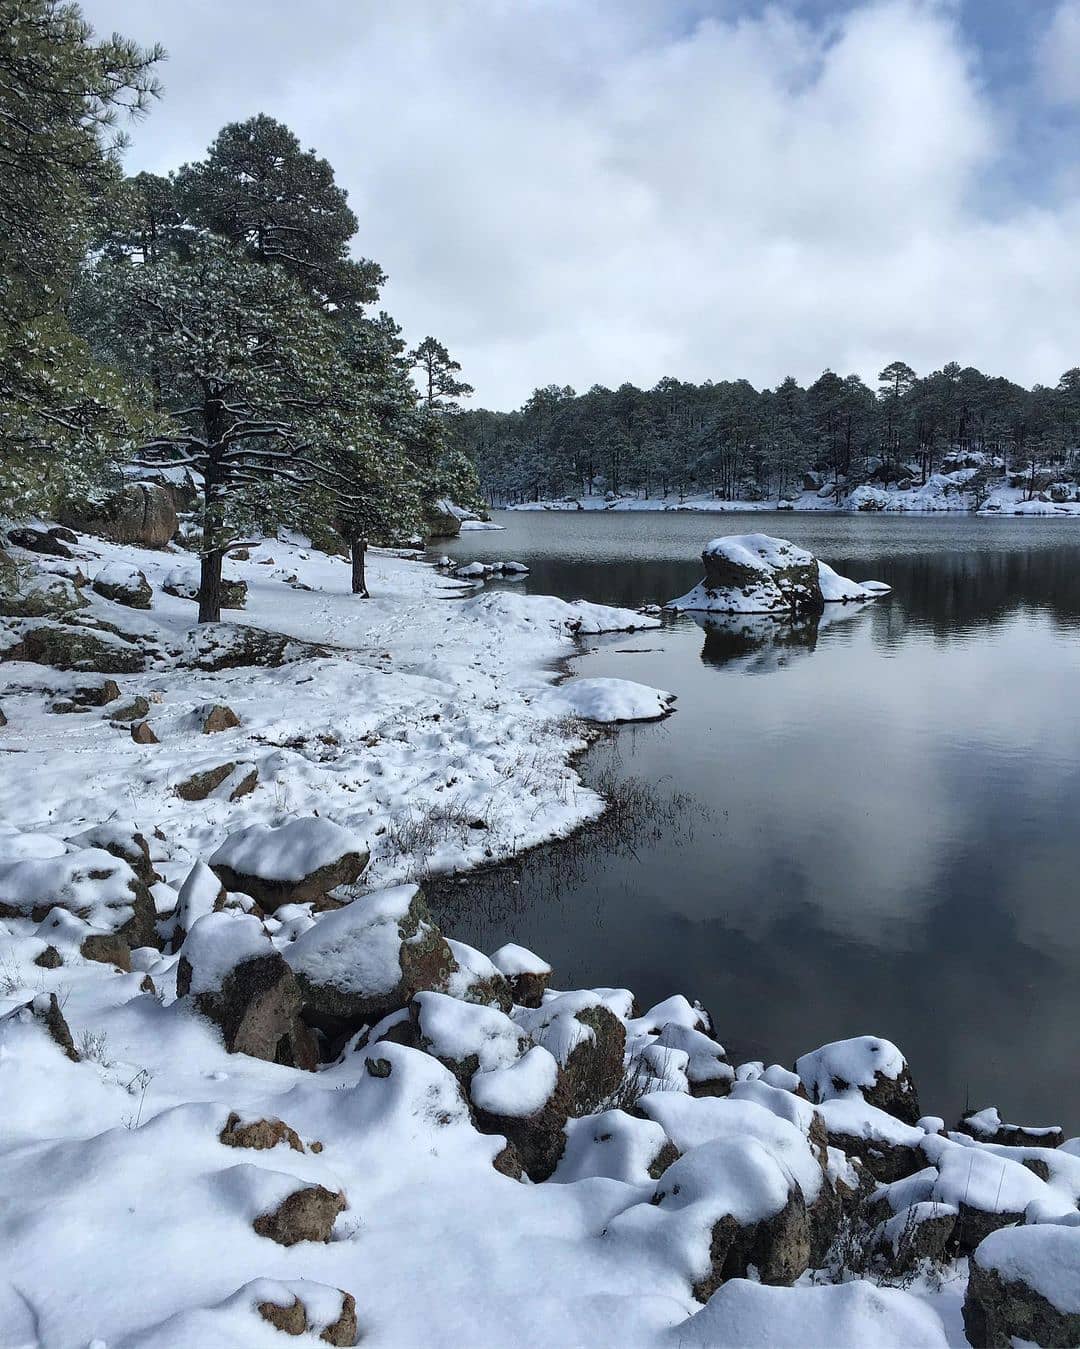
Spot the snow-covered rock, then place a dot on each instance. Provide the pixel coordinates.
(125, 585)
(867, 1065)
(299, 861)
(1024, 1288)
(760, 574)
(527, 972)
(369, 958)
(236, 979)
(608, 700)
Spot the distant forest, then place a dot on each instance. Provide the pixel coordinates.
(739, 442)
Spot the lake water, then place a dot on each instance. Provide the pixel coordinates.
(865, 826)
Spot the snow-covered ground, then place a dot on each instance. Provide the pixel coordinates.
(942, 492)
(250, 1092)
(435, 711)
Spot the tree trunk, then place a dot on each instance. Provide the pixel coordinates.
(359, 581)
(210, 586)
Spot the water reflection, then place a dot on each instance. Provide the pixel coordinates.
(882, 834)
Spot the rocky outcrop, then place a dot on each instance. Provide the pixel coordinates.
(143, 513)
(259, 1134)
(219, 718)
(237, 780)
(70, 646)
(124, 585)
(760, 574)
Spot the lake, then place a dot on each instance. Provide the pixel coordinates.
(869, 825)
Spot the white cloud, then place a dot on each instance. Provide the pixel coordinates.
(1059, 54)
(590, 191)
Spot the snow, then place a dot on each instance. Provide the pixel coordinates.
(356, 948)
(853, 1315)
(289, 853)
(1046, 1258)
(88, 881)
(989, 1183)
(855, 1063)
(691, 1122)
(758, 550)
(614, 1145)
(607, 700)
(519, 1090)
(853, 1117)
(512, 960)
(838, 589)
(458, 1030)
(120, 574)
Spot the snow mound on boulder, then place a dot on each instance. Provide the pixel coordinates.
(760, 574)
(290, 853)
(610, 700)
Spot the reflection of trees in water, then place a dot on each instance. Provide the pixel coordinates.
(948, 593)
(639, 814)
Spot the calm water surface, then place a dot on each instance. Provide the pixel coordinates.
(879, 823)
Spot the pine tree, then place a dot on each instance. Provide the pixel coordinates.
(62, 417)
(249, 372)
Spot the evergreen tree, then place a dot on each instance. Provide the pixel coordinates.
(62, 417)
(440, 387)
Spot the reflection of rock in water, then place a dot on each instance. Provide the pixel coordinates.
(759, 643)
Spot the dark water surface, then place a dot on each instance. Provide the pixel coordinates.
(869, 825)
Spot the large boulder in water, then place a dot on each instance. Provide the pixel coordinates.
(759, 574)
(755, 574)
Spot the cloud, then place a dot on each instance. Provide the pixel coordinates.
(1058, 56)
(610, 190)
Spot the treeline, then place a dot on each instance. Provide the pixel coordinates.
(212, 320)
(736, 441)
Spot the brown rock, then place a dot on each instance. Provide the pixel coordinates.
(199, 786)
(37, 541)
(147, 985)
(143, 513)
(49, 959)
(305, 1215)
(258, 1134)
(594, 1067)
(529, 989)
(107, 948)
(219, 718)
(537, 1139)
(343, 1331)
(292, 1320)
(257, 1009)
(142, 734)
(46, 1011)
(138, 595)
(133, 711)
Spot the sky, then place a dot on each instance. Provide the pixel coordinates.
(598, 191)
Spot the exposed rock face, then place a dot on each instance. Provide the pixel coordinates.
(255, 1002)
(135, 710)
(143, 513)
(305, 1215)
(108, 949)
(1004, 1306)
(296, 863)
(594, 1067)
(369, 958)
(65, 646)
(294, 1318)
(126, 586)
(444, 525)
(142, 733)
(49, 959)
(90, 695)
(259, 1134)
(42, 596)
(46, 1011)
(38, 541)
(920, 1231)
(219, 718)
(199, 786)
